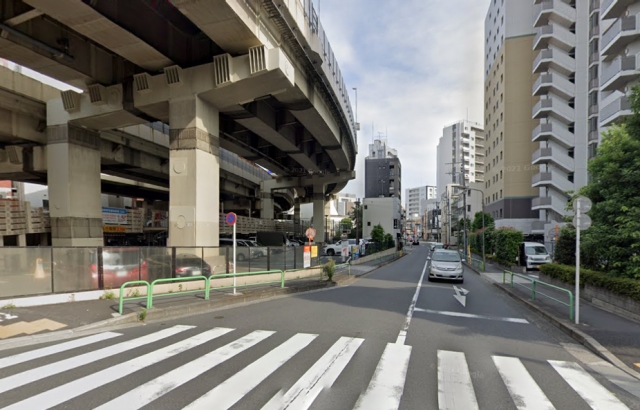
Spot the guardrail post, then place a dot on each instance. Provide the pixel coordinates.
(281, 279)
(533, 289)
(207, 287)
(511, 279)
(150, 295)
(268, 258)
(100, 268)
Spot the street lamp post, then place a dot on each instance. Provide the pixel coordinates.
(357, 220)
(483, 251)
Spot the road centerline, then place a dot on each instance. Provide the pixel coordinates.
(402, 336)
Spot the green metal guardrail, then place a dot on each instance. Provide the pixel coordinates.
(134, 282)
(181, 292)
(207, 288)
(477, 263)
(534, 291)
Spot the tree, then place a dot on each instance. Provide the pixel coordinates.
(388, 241)
(614, 237)
(477, 221)
(377, 234)
(352, 217)
(565, 249)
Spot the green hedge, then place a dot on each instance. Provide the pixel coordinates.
(506, 242)
(620, 286)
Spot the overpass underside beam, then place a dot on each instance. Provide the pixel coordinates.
(73, 174)
(194, 179)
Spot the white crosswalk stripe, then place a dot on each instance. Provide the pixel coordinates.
(387, 384)
(66, 392)
(587, 387)
(233, 389)
(62, 347)
(145, 394)
(526, 394)
(320, 376)
(29, 376)
(385, 389)
(455, 388)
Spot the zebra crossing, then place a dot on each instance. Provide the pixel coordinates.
(385, 385)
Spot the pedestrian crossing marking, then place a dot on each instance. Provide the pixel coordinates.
(384, 391)
(62, 347)
(66, 392)
(455, 388)
(29, 328)
(320, 376)
(148, 392)
(387, 384)
(29, 376)
(234, 388)
(587, 387)
(524, 390)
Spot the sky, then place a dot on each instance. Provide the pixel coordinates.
(418, 67)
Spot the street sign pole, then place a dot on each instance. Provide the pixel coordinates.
(577, 315)
(231, 219)
(234, 258)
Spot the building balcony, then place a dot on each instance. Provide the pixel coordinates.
(594, 58)
(594, 32)
(621, 72)
(549, 203)
(553, 10)
(611, 9)
(594, 136)
(615, 111)
(593, 110)
(554, 83)
(552, 179)
(555, 108)
(555, 156)
(594, 84)
(554, 59)
(594, 6)
(556, 35)
(624, 31)
(554, 131)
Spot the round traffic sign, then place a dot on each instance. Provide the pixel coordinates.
(310, 233)
(231, 218)
(582, 203)
(585, 222)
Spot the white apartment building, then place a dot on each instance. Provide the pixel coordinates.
(619, 57)
(386, 212)
(415, 200)
(460, 152)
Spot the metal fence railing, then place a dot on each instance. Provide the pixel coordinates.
(29, 271)
(534, 290)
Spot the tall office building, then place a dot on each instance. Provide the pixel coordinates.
(382, 171)
(416, 200)
(461, 151)
(509, 55)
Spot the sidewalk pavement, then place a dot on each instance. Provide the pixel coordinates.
(27, 325)
(613, 337)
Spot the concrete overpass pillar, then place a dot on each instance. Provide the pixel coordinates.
(267, 209)
(318, 213)
(194, 180)
(75, 206)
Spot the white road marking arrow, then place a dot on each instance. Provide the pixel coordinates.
(461, 295)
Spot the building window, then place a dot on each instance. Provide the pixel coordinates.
(369, 223)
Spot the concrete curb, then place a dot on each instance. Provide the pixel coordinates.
(574, 332)
(473, 268)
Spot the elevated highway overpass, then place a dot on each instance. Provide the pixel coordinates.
(256, 78)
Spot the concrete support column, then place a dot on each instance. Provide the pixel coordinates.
(73, 158)
(194, 181)
(267, 209)
(22, 240)
(318, 212)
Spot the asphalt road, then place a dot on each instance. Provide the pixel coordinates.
(344, 348)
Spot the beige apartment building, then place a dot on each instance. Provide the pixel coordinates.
(509, 124)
